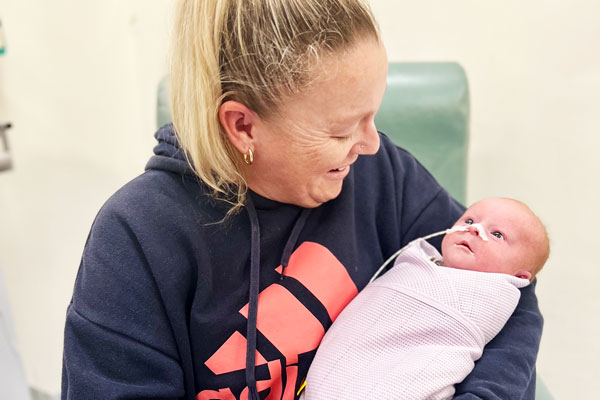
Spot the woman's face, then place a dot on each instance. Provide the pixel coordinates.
(303, 154)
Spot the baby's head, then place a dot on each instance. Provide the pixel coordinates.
(517, 243)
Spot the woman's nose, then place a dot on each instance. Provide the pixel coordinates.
(369, 141)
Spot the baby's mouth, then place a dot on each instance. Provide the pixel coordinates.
(465, 244)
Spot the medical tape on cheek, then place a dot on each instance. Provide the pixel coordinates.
(478, 227)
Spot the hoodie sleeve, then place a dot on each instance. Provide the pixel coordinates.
(118, 342)
(507, 368)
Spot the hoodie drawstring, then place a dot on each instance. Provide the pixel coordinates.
(289, 246)
(253, 299)
(254, 286)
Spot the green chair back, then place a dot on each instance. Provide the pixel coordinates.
(425, 110)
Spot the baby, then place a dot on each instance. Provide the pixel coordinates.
(417, 331)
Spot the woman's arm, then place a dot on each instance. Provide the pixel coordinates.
(118, 339)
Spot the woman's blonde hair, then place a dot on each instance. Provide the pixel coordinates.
(255, 52)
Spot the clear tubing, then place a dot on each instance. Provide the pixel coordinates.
(444, 232)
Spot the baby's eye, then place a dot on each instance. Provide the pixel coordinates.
(498, 235)
(469, 221)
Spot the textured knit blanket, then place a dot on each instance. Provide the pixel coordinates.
(413, 333)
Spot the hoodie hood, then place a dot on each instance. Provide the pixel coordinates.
(168, 154)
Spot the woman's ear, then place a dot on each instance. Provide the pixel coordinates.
(238, 122)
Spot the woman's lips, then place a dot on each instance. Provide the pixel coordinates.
(339, 173)
(339, 169)
(344, 168)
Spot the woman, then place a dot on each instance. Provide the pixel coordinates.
(268, 205)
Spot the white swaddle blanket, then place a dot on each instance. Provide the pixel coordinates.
(413, 333)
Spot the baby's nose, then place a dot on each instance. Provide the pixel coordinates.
(478, 230)
(473, 229)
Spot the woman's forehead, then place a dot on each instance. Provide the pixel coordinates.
(345, 89)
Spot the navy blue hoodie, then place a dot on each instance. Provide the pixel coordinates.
(161, 304)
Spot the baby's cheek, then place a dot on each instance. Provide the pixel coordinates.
(445, 244)
(450, 259)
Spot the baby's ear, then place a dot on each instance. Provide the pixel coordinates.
(523, 274)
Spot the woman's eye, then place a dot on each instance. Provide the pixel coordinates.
(498, 235)
(342, 138)
(469, 221)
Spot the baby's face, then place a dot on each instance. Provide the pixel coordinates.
(510, 230)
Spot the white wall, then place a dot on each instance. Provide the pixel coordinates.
(78, 82)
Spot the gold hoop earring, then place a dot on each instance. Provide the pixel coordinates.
(249, 158)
